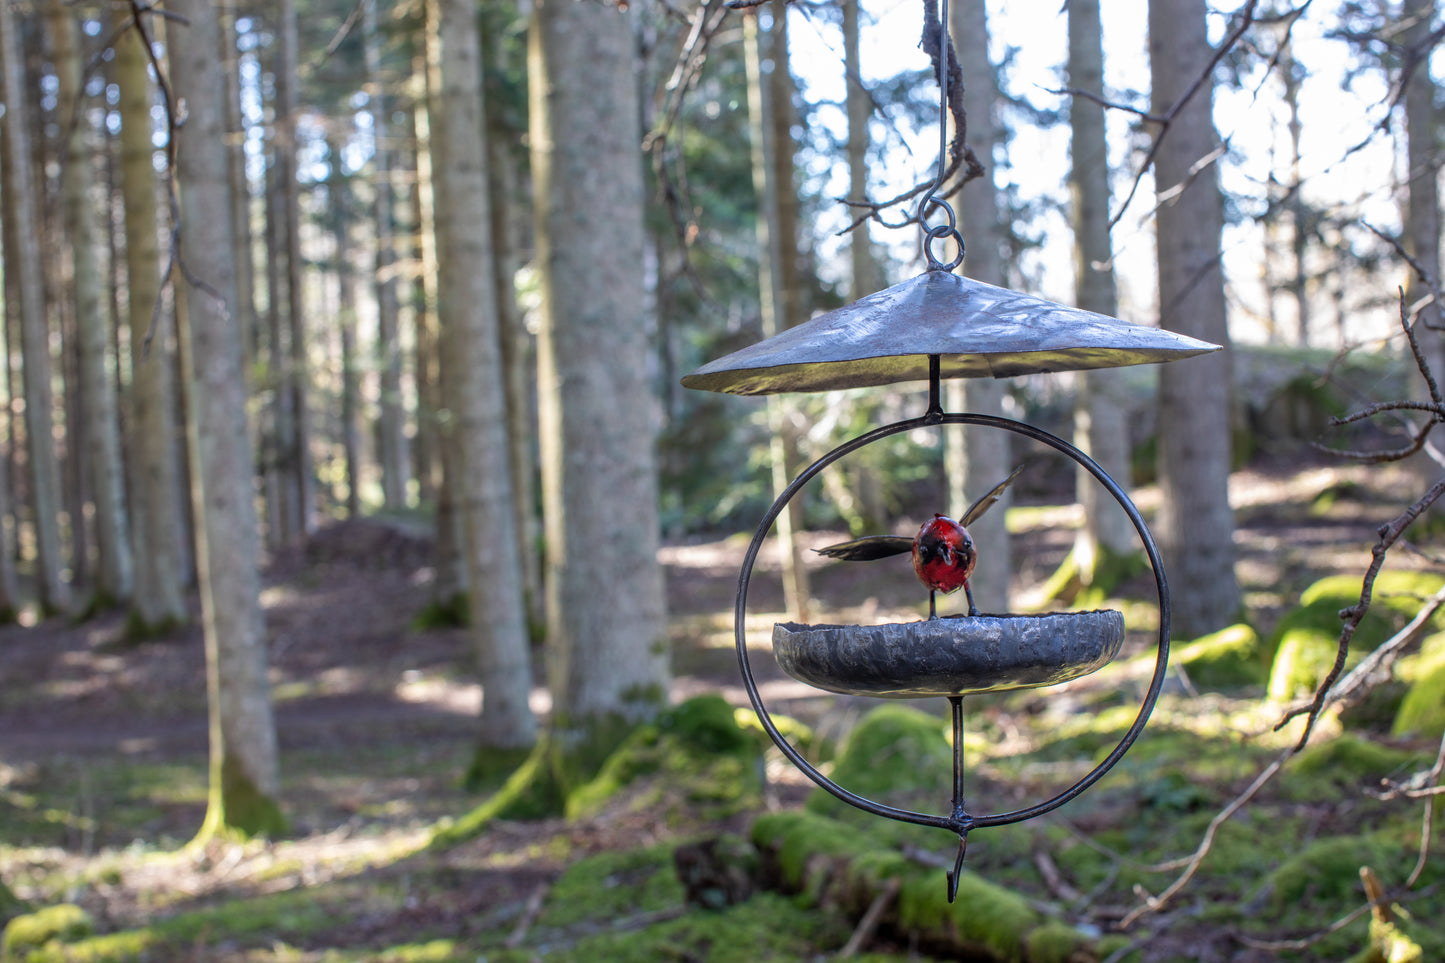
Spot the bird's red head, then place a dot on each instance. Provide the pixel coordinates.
(943, 554)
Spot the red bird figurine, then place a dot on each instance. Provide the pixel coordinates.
(943, 552)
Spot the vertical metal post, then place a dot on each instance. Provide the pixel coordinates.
(960, 813)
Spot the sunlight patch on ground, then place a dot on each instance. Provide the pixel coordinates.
(449, 695)
(1027, 518)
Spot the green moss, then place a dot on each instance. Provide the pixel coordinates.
(802, 737)
(1305, 642)
(138, 630)
(896, 755)
(700, 758)
(995, 918)
(769, 928)
(1390, 943)
(1229, 658)
(444, 613)
(1056, 942)
(530, 793)
(1328, 870)
(613, 884)
(65, 923)
(492, 767)
(796, 836)
(1422, 711)
(239, 808)
(1345, 761)
(1089, 583)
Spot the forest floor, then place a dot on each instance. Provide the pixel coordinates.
(103, 769)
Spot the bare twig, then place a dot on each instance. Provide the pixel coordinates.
(868, 925)
(529, 916)
(1191, 863)
(1166, 121)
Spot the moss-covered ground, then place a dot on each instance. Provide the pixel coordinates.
(696, 840)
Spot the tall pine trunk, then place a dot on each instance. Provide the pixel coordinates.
(294, 446)
(97, 392)
(245, 780)
(605, 611)
(776, 246)
(476, 429)
(1196, 525)
(24, 261)
(391, 434)
(434, 457)
(977, 459)
(158, 534)
(1100, 427)
(864, 276)
(346, 322)
(1422, 157)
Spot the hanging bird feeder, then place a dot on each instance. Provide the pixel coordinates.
(935, 326)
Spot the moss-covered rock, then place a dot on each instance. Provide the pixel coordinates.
(1347, 761)
(1305, 643)
(699, 764)
(1227, 659)
(612, 884)
(896, 755)
(1422, 711)
(828, 863)
(64, 923)
(1327, 871)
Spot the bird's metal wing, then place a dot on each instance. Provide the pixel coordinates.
(868, 548)
(986, 502)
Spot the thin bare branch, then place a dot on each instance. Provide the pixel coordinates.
(1245, 18)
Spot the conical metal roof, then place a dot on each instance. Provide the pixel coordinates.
(978, 330)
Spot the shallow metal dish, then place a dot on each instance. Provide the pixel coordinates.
(956, 655)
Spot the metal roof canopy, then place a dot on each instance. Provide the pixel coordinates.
(976, 329)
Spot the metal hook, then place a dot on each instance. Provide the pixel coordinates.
(957, 871)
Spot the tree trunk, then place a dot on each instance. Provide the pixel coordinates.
(24, 261)
(1422, 210)
(1100, 427)
(975, 460)
(518, 371)
(605, 610)
(282, 499)
(158, 533)
(1293, 73)
(346, 321)
(102, 426)
(423, 298)
(774, 248)
(9, 514)
(244, 774)
(476, 429)
(240, 184)
(864, 276)
(451, 580)
(294, 452)
(391, 434)
(1196, 525)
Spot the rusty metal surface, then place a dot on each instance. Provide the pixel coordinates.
(949, 656)
(978, 330)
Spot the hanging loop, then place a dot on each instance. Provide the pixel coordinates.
(938, 232)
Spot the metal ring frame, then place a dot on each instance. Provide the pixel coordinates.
(959, 821)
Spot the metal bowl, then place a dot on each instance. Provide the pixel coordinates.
(949, 656)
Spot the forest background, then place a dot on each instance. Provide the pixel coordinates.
(435, 270)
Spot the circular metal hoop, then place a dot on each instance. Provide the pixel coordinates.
(958, 821)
